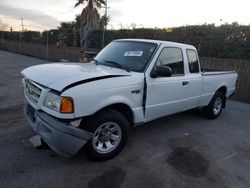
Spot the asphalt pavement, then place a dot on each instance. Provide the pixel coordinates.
(180, 151)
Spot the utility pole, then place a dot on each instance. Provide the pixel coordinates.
(22, 24)
(20, 35)
(105, 22)
(47, 42)
(2, 39)
(19, 46)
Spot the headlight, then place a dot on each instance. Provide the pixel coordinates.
(60, 104)
(52, 101)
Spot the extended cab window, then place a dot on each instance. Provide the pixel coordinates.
(193, 61)
(173, 58)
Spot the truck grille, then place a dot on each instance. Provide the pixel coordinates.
(32, 92)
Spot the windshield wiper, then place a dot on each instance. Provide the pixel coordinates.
(118, 65)
(95, 61)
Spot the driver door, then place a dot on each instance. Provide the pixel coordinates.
(167, 95)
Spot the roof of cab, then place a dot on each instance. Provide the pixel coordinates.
(168, 43)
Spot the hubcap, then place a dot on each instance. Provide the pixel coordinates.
(106, 137)
(217, 105)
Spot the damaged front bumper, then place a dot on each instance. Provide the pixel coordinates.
(59, 135)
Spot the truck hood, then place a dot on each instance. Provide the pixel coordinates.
(61, 76)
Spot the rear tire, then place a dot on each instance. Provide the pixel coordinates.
(214, 108)
(110, 129)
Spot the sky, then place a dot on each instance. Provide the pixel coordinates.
(47, 14)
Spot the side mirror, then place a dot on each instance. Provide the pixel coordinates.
(161, 71)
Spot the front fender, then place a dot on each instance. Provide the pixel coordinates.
(111, 101)
(90, 103)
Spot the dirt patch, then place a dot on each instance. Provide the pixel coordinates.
(109, 179)
(188, 162)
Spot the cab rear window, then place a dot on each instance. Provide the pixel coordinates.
(193, 61)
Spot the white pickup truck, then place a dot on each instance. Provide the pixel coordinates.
(130, 82)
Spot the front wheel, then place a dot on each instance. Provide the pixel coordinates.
(214, 108)
(109, 130)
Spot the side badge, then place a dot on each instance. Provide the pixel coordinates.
(136, 91)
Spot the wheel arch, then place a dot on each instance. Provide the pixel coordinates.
(120, 107)
(223, 91)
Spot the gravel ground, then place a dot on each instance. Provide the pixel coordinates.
(182, 150)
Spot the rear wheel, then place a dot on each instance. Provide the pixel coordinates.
(109, 130)
(214, 108)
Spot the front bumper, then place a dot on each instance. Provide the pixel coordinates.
(59, 135)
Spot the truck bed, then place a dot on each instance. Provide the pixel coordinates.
(208, 72)
(213, 80)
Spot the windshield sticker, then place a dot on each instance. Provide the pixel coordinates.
(133, 53)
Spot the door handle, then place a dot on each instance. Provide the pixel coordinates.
(185, 83)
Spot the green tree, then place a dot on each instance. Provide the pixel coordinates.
(104, 21)
(89, 20)
(66, 32)
(53, 36)
(31, 36)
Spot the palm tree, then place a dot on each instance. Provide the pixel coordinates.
(89, 19)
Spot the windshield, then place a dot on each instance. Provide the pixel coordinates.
(128, 55)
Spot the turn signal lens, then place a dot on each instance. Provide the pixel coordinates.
(67, 105)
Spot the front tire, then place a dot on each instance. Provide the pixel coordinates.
(214, 108)
(109, 130)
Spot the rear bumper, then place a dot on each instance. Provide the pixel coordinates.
(61, 137)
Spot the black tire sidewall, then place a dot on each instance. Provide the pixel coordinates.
(208, 110)
(99, 119)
